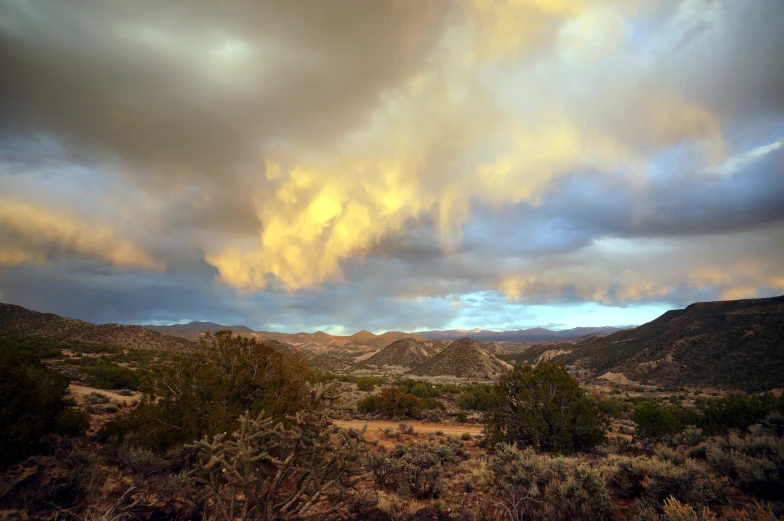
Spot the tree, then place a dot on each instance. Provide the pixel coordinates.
(392, 403)
(655, 420)
(544, 407)
(32, 404)
(205, 392)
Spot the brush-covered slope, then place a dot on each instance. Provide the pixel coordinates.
(16, 320)
(406, 352)
(464, 358)
(737, 343)
(193, 330)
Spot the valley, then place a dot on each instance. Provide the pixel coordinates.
(663, 394)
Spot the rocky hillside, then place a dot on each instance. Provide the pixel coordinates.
(464, 358)
(16, 320)
(406, 352)
(311, 342)
(193, 330)
(737, 343)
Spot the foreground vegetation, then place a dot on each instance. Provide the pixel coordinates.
(239, 430)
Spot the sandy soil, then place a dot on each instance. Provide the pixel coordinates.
(373, 425)
(616, 377)
(77, 389)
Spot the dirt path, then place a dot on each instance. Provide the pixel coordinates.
(374, 425)
(77, 389)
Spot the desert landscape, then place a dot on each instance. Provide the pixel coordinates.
(391, 260)
(355, 429)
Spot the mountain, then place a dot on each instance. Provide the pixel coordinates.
(736, 343)
(522, 335)
(193, 330)
(16, 320)
(406, 352)
(316, 342)
(464, 358)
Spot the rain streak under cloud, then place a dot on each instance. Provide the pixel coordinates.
(390, 165)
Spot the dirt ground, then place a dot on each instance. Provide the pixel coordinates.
(77, 389)
(418, 426)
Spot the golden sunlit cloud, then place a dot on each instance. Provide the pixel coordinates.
(34, 234)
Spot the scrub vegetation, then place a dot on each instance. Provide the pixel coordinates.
(241, 429)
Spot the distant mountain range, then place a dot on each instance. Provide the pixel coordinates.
(521, 335)
(737, 344)
(314, 341)
(193, 330)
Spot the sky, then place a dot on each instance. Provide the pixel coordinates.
(390, 165)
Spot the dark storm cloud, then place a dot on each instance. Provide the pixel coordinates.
(389, 165)
(165, 85)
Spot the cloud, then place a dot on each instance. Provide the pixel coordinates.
(31, 234)
(404, 151)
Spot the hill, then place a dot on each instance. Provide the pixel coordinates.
(16, 320)
(312, 342)
(535, 334)
(464, 358)
(193, 330)
(406, 352)
(737, 343)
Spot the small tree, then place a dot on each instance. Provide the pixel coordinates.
(32, 404)
(544, 407)
(205, 392)
(392, 403)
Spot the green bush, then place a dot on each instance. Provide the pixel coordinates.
(544, 407)
(655, 420)
(205, 392)
(72, 422)
(613, 407)
(736, 411)
(364, 383)
(113, 377)
(391, 403)
(476, 397)
(32, 404)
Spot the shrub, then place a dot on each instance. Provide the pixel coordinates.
(140, 460)
(653, 480)
(205, 392)
(692, 436)
(391, 403)
(754, 464)
(72, 421)
(476, 397)
(415, 470)
(613, 408)
(406, 428)
(370, 405)
(674, 510)
(32, 404)
(466, 436)
(736, 411)
(95, 399)
(656, 421)
(536, 487)
(113, 377)
(269, 470)
(544, 407)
